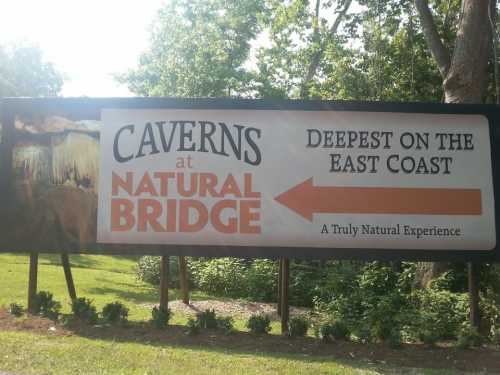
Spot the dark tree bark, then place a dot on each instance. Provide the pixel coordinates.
(465, 71)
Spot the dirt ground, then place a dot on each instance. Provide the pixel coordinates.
(485, 359)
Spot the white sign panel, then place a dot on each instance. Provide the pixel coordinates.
(332, 179)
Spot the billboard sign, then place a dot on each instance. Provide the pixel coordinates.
(255, 178)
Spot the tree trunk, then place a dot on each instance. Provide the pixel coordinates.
(464, 73)
(467, 77)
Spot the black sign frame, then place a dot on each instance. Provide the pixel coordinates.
(90, 109)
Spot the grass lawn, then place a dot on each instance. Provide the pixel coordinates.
(106, 279)
(29, 353)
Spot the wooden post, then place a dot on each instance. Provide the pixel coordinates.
(32, 282)
(164, 282)
(68, 275)
(183, 280)
(280, 278)
(473, 274)
(284, 295)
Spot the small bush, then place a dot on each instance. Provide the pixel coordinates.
(259, 323)
(84, 310)
(363, 334)
(297, 326)
(334, 330)
(226, 323)
(193, 327)
(16, 309)
(44, 305)
(148, 270)
(428, 337)
(160, 317)
(495, 336)
(207, 319)
(441, 313)
(394, 341)
(115, 312)
(469, 337)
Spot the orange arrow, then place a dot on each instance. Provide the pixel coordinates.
(307, 199)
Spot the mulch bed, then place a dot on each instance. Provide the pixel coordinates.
(485, 359)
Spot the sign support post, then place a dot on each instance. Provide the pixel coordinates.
(280, 278)
(473, 274)
(285, 308)
(164, 276)
(183, 279)
(32, 282)
(68, 275)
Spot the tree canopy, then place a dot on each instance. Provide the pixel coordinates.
(24, 72)
(398, 50)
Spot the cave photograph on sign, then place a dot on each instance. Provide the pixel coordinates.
(253, 178)
(55, 171)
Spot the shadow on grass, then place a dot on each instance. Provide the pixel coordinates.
(76, 260)
(133, 293)
(143, 294)
(305, 349)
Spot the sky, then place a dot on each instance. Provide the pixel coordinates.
(87, 41)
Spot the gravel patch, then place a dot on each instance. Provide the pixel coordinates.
(238, 308)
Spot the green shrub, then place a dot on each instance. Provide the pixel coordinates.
(207, 319)
(84, 310)
(394, 340)
(262, 280)
(160, 317)
(193, 327)
(45, 305)
(334, 330)
(221, 276)
(148, 270)
(469, 337)
(259, 323)
(363, 334)
(115, 312)
(16, 309)
(298, 326)
(226, 323)
(495, 336)
(440, 313)
(428, 337)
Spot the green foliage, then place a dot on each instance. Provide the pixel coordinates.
(495, 336)
(221, 276)
(160, 317)
(23, 72)
(225, 323)
(45, 305)
(198, 48)
(259, 323)
(440, 313)
(257, 279)
(469, 337)
(261, 280)
(193, 327)
(427, 336)
(115, 312)
(207, 319)
(334, 331)
(84, 310)
(394, 340)
(298, 326)
(16, 309)
(148, 270)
